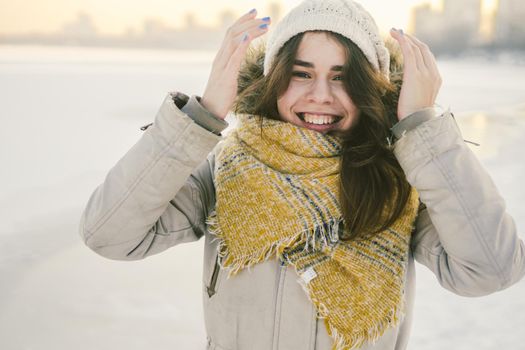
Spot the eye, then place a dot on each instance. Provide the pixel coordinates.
(338, 77)
(300, 74)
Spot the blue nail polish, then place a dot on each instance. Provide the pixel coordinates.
(245, 37)
(266, 19)
(263, 26)
(401, 31)
(252, 11)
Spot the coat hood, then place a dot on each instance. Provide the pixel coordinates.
(253, 66)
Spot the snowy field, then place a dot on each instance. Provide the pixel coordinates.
(68, 114)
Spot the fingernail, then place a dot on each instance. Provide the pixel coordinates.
(245, 37)
(266, 19)
(263, 26)
(253, 11)
(401, 31)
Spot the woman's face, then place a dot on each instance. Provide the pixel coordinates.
(316, 97)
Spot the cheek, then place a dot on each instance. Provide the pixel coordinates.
(285, 102)
(281, 105)
(292, 95)
(347, 103)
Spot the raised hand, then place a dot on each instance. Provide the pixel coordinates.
(421, 79)
(221, 88)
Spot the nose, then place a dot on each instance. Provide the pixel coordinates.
(320, 92)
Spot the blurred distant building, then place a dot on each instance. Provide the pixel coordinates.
(226, 19)
(458, 26)
(275, 11)
(190, 23)
(82, 28)
(463, 20)
(153, 27)
(192, 36)
(452, 29)
(510, 25)
(427, 23)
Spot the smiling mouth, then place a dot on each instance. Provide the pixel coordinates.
(318, 119)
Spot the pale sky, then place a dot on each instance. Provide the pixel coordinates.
(115, 16)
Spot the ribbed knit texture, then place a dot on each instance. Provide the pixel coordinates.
(277, 195)
(345, 17)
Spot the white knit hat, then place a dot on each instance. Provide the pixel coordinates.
(345, 17)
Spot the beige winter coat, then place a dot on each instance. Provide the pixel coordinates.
(159, 194)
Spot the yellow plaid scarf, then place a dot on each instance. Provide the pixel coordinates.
(277, 195)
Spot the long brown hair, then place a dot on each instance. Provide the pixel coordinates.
(374, 190)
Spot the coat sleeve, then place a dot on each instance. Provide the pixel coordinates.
(464, 235)
(158, 194)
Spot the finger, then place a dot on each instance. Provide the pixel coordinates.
(404, 44)
(251, 23)
(430, 64)
(246, 17)
(428, 57)
(411, 51)
(418, 56)
(234, 63)
(254, 28)
(226, 45)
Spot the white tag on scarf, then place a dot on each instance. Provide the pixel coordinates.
(309, 275)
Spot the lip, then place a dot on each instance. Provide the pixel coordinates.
(319, 127)
(323, 128)
(319, 113)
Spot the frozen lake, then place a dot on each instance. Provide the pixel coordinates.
(68, 114)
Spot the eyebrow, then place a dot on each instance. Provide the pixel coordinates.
(311, 65)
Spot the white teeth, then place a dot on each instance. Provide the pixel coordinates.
(318, 118)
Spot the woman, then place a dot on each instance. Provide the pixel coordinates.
(314, 207)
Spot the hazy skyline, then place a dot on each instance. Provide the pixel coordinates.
(115, 17)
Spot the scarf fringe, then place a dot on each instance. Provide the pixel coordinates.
(356, 340)
(323, 236)
(329, 230)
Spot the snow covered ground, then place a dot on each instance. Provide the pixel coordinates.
(68, 114)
